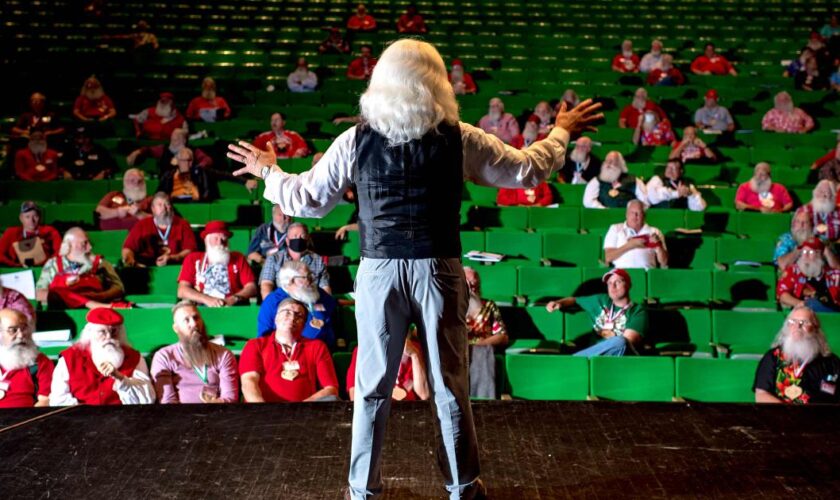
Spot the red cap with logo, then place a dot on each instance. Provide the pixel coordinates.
(618, 272)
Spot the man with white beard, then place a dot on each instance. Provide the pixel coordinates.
(497, 122)
(217, 277)
(809, 280)
(302, 79)
(93, 104)
(194, 370)
(784, 117)
(530, 134)
(613, 187)
(165, 154)
(157, 122)
(800, 367)
(296, 281)
(462, 82)
(673, 190)
(761, 194)
(653, 59)
(545, 113)
(787, 246)
(25, 373)
(77, 278)
(626, 61)
(630, 114)
(825, 219)
(122, 209)
(101, 368)
(581, 165)
(37, 162)
(164, 238)
(209, 106)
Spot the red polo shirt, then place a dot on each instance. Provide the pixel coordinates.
(631, 115)
(405, 375)
(717, 65)
(44, 167)
(239, 272)
(266, 357)
(298, 144)
(21, 389)
(146, 240)
(8, 256)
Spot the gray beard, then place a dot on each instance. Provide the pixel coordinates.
(135, 194)
(761, 187)
(822, 206)
(208, 94)
(800, 235)
(306, 295)
(475, 305)
(163, 220)
(578, 156)
(163, 110)
(110, 353)
(811, 269)
(495, 115)
(18, 355)
(38, 149)
(195, 351)
(94, 94)
(218, 255)
(801, 351)
(609, 174)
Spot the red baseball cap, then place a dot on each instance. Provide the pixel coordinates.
(215, 226)
(711, 94)
(104, 316)
(813, 243)
(618, 272)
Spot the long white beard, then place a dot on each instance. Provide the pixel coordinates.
(495, 115)
(811, 269)
(38, 149)
(163, 220)
(822, 206)
(218, 255)
(529, 135)
(164, 110)
(19, 355)
(94, 94)
(578, 155)
(135, 194)
(110, 352)
(761, 187)
(307, 295)
(609, 173)
(801, 350)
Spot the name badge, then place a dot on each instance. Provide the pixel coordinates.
(319, 307)
(827, 387)
(4, 386)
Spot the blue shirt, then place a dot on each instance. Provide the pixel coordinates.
(266, 238)
(321, 312)
(784, 245)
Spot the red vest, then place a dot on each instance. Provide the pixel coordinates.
(87, 384)
(80, 283)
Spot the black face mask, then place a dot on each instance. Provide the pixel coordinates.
(297, 244)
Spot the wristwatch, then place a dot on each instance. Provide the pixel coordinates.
(264, 172)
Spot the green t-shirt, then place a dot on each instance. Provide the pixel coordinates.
(600, 308)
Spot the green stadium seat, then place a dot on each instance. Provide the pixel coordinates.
(80, 214)
(599, 220)
(540, 284)
(669, 286)
(746, 333)
(547, 376)
(567, 218)
(194, 213)
(561, 248)
(108, 244)
(680, 332)
(481, 195)
(691, 251)
(569, 194)
(632, 378)
(730, 250)
(755, 224)
(666, 220)
(515, 244)
(472, 240)
(497, 282)
(716, 380)
(745, 288)
(504, 217)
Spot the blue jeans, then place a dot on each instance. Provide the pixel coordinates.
(819, 307)
(613, 346)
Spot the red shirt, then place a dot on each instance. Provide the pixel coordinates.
(199, 103)
(43, 167)
(469, 83)
(298, 144)
(779, 194)
(626, 64)
(539, 196)
(21, 390)
(365, 23)
(418, 25)
(146, 240)
(826, 227)
(717, 65)
(117, 199)
(661, 135)
(94, 108)
(8, 256)
(657, 75)
(822, 160)
(361, 67)
(631, 115)
(87, 384)
(518, 141)
(795, 283)
(265, 356)
(405, 376)
(154, 128)
(239, 272)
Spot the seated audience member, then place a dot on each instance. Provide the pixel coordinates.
(188, 181)
(829, 165)
(361, 67)
(284, 366)
(651, 131)
(497, 122)
(286, 143)
(633, 243)
(667, 75)
(270, 237)
(25, 372)
(822, 212)
(529, 135)
(462, 82)
(101, 368)
(411, 384)
(787, 246)
(297, 282)
(712, 116)
(691, 149)
(580, 165)
(800, 367)
(811, 280)
(216, 277)
(86, 160)
(298, 247)
(194, 370)
(816, 44)
(37, 162)
(761, 194)
(77, 278)
(811, 77)
(208, 107)
(673, 190)
(14, 300)
(615, 318)
(164, 238)
(630, 115)
(613, 187)
(362, 21)
(165, 155)
(626, 61)
(31, 243)
(712, 63)
(302, 79)
(411, 22)
(571, 99)
(486, 331)
(540, 196)
(831, 28)
(834, 80)
(37, 119)
(653, 59)
(93, 104)
(545, 113)
(157, 122)
(784, 117)
(334, 43)
(122, 209)
(798, 64)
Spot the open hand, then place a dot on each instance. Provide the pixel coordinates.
(252, 157)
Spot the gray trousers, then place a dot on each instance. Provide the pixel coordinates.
(390, 295)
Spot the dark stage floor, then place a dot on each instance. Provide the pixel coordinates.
(529, 450)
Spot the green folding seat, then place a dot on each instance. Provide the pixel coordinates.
(680, 332)
(108, 244)
(540, 284)
(515, 244)
(150, 329)
(547, 376)
(194, 213)
(756, 224)
(730, 250)
(745, 288)
(703, 174)
(566, 218)
(714, 221)
(564, 249)
(632, 378)
(240, 240)
(234, 191)
(593, 219)
(232, 322)
(164, 280)
(81, 191)
(80, 214)
(665, 219)
(746, 332)
(691, 251)
(500, 217)
(577, 330)
(42, 192)
(337, 217)
(719, 197)
(569, 194)
(472, 240)
(791, 177)
(224, 210)
(716, 380)
(669, 286)
(497, 282)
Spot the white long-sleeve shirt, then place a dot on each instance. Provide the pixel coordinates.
(658, 191)
(135, 390)
(593, 189)
(487, 161)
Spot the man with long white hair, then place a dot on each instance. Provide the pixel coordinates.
(101, 368)
(157, 122)
(408, 159)
(822, 211)
(614, 186)
(811, 280)
(785, 117)
(800, 367)
(122, 209)
(25, 373)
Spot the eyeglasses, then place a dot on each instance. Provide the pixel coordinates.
(13, 330)
(306, 277)
(802, 323)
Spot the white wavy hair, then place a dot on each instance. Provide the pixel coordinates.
(88, 331)
(409, 93)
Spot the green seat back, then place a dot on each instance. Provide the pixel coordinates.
(581, 250)
(680, 285)
(746, 331)
(632, 378)
(540, 284)
(716, 380)
(547, 376)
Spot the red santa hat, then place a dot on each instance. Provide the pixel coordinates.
(535, 119)
(104, 316)
(711, 94)
(618, 272)
(812, 243)
(215, 226)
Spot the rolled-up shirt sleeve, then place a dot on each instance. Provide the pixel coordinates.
(137, 389)
(490, 162)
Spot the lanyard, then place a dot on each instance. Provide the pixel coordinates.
(275, 236)
(164, 236)
(612, 315)
(797, 372)
(202, 374)
(291, 355)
